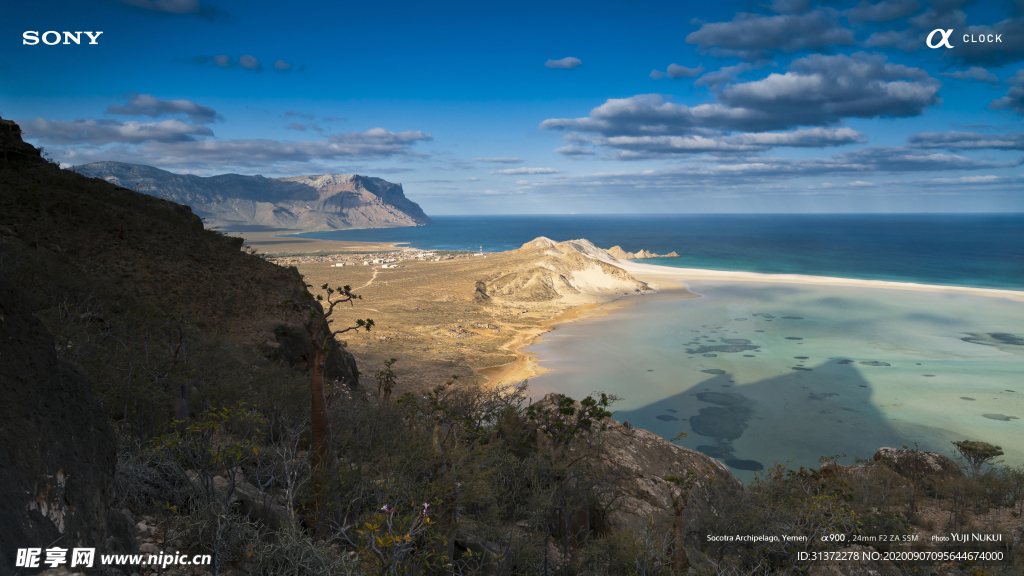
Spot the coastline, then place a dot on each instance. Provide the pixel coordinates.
(527, 365)
(277, 241)
(670, 283)
(652, 274)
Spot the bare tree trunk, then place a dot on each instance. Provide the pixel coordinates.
(320, 442)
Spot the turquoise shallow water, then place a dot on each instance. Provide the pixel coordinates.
(850, 370)
(756, 373)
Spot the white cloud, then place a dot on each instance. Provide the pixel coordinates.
(517, 171)
(973, 73)
(100, 132)
(567, 63)
(499, 160)
(249, 62)
(148, 105)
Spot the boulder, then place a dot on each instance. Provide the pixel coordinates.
(925, 464)
(259, 507)
(57, 449)
(645, 460)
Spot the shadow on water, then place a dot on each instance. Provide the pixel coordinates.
(801, 416)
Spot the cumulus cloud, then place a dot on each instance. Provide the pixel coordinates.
(174, 143)
(1014, 99)
(148, 105)
(517, 171)
(499, 160)
(883, 11)
(753, 37)
(727, 74)
(575, 151)
(179, 7)
(760, 170)
(967, 141)
(817, 91)
(642, 147)
(676, 71)
(100, 132)
(567, 63)
(994, 54)
(245, 61)
(822, 89)
(249, 62)
(973, 73)
(906, 40)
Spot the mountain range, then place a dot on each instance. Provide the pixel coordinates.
(324, 202)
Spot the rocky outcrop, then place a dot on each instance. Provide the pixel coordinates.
(619, 254)
(12, 148)
(918, 463)
(325, 202)
(647, 460)
(573, 272)
(57, 450)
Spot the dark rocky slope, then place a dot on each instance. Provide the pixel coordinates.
(57, 449)
(137, 251)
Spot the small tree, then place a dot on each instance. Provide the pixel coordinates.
(321, 336)
(978, 454)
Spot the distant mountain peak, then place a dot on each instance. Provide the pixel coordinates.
(312, 202)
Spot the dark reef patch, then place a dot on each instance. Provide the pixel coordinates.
(1002, 417)
(666, 418)
(1004, 341)
(874, 363)
(713, 371)
(725, 421)
(751, 465)
(792, 318)
(967, 398)
(793, 338)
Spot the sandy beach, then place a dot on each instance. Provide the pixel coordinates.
(664, 275)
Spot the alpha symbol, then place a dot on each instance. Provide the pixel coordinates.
(945, 38)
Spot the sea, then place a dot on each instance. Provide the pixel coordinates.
(979, 250)
(758, 374)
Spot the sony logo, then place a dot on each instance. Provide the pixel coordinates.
(52, 37)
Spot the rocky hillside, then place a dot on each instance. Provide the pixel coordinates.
(57, 452)
(572, 272)
(330, 201)
(619, 254)
(121, 276)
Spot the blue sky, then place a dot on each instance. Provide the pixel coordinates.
(528, 107)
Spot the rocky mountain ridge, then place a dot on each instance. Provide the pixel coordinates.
(322, 202)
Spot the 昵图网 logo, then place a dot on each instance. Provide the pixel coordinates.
(53, 37)
(943, 41)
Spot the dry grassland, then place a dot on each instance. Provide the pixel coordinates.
(430, 317)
